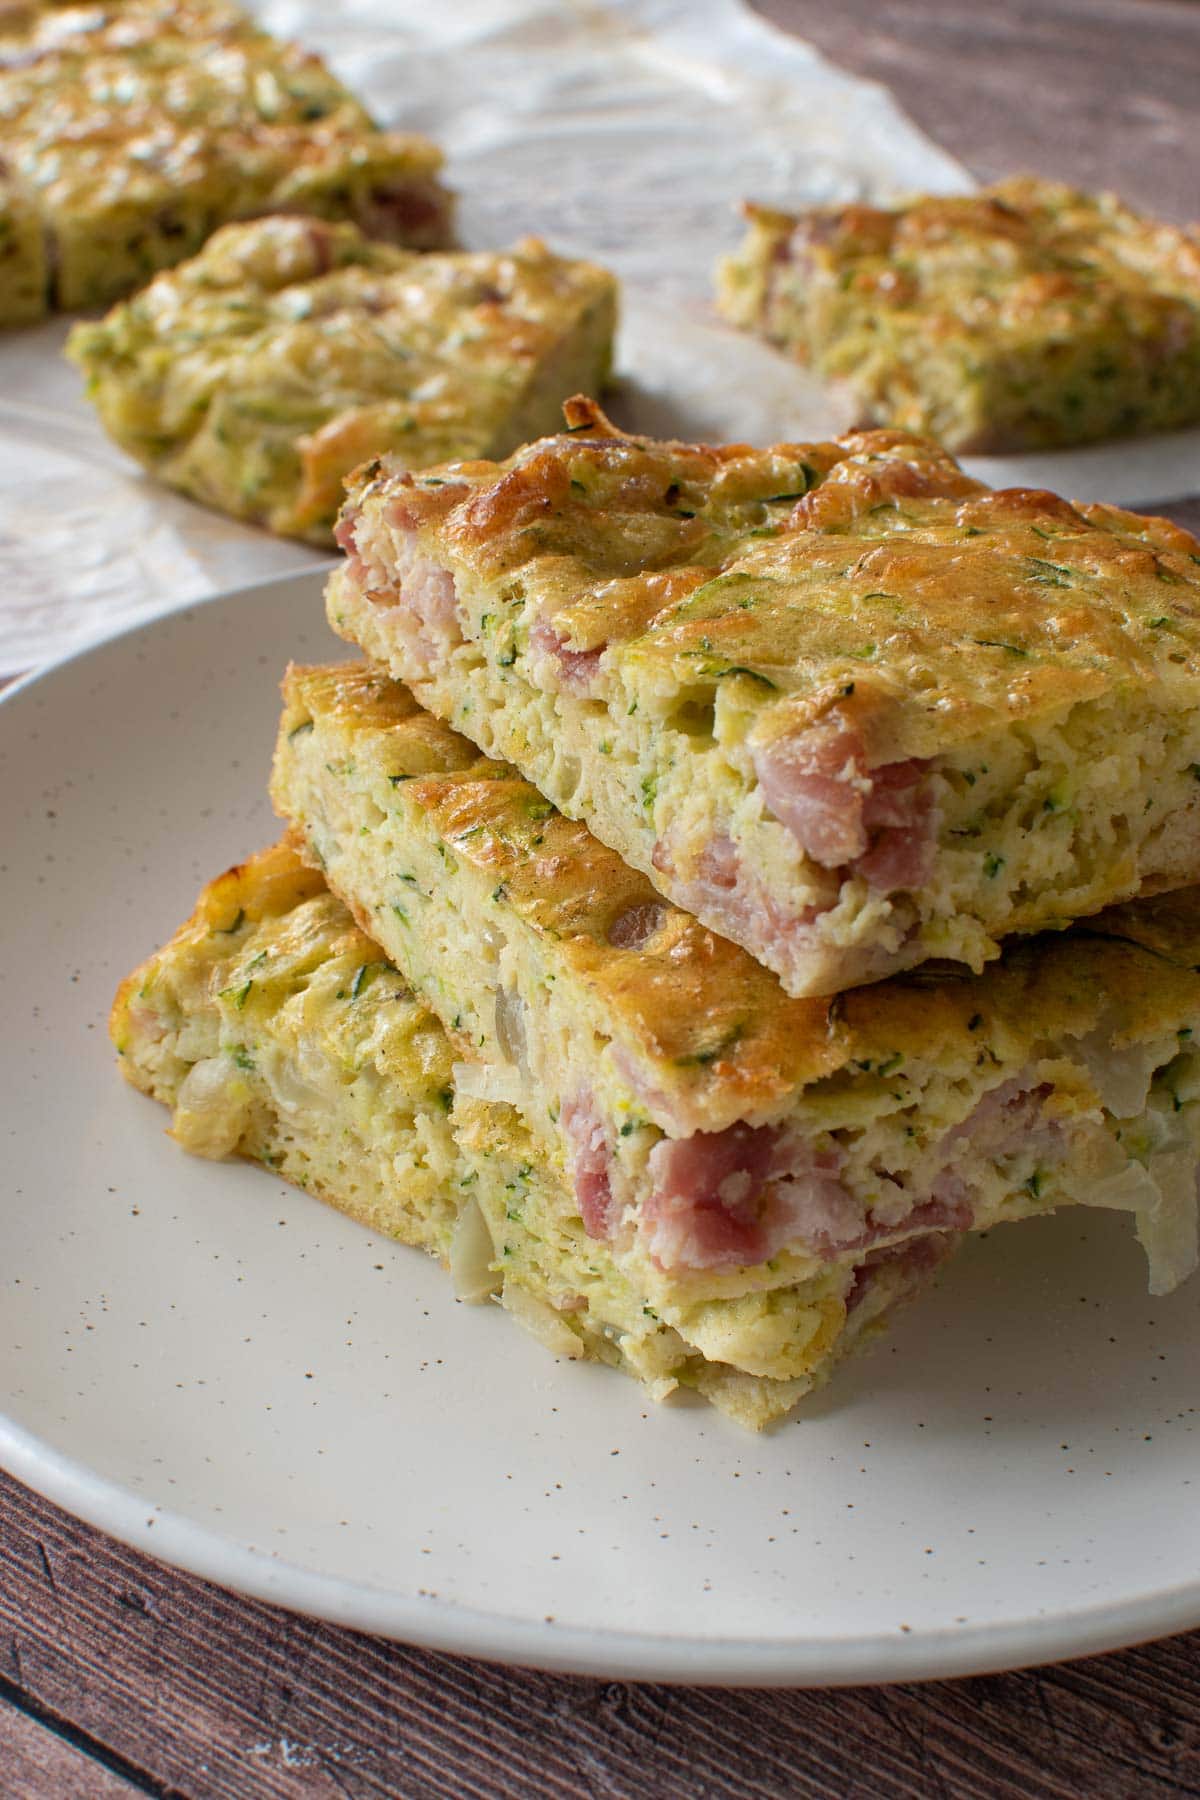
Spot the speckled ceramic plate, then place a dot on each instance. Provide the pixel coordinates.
(224, 1373)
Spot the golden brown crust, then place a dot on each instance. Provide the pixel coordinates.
(687, 1003)
(700, 1015)
(265, 886)
(932, 610)
(257, 374)
(138, 127)
(1022, 315)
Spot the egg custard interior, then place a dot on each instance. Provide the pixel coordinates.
(721, 1138)
(274, 1029)
(133, 128)
(1026, 315)
(840, 701)
(256, 375)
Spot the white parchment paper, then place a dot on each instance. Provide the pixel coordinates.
(624, 130)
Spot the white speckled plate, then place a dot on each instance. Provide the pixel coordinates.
(224, 1373)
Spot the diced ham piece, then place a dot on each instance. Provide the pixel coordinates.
(898, 815)
(401, 214)
(831, 1227)
(815, 782)
(633, 928)
(593, 1187)
(420, 596)
(719, 865)
(344, 531)
(877, 823)
(705, 1208)
(429, 593)
(722, 1199)
(813, 1211)
(345, 537)
(931, 1215)
(732, 899)
(576, 668)
(1009, 1117)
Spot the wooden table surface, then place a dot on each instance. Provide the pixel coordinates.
(119, 1677)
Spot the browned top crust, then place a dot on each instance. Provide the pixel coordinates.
(135, 127)
(686, 1003)
(868, 573)
(1024, 315)
(706, 1024)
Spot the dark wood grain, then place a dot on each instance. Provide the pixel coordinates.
(1184, 512)
(120, 1677)
(210, 1696)
(35, 1760)
(1099, 92)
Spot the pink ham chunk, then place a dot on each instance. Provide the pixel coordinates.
(429, 594)
(815, 782)
(877, 823)
(591, 1162)
(898, 815)
(1009, 1118)
(420, 596)
(345, 533)
(733, 1198)
(725, 1199)
(405, 214)
(576, 668)
(731, 898)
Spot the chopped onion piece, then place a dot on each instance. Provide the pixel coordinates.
(471, 1255)
(1168, 1231)
(540, 1321)
(1128, 1189)
(290, 1090)
(211, 1108)
(488, 1081)
(1122, 1076)
(510, 1027)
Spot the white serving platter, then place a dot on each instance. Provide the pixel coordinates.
(222, 1372)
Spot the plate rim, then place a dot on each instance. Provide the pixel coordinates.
(451, 1627)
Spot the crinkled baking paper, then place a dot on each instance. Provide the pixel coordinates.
(627, 131)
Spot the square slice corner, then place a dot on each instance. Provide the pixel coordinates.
(1026, 316)
(847, 705)
(255, 376)
(275, 1030)
(721, 1139)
